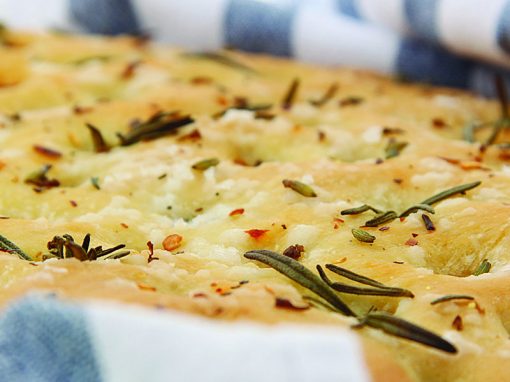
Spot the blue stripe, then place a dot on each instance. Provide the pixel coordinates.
(349, 8)
(105, 16)
(256, 26)
(424, 62)
(45, 341)
(503, 29)
(421, 17)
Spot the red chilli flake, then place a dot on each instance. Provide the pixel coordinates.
(411, 242)
(236, 212)
(73, 203)
(47, 152)
(294, 251)
(256, 233)
(151, 252)
(283, 303)
(337, 222)
(385, 228)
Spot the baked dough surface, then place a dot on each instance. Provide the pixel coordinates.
(52, 85)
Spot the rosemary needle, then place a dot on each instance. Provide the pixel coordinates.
(300, 274)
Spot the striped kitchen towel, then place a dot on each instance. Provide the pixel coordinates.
(45, 340)
(458, 43)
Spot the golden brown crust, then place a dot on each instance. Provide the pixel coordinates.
(150, 190)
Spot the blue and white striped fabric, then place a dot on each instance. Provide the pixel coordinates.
(45, 340)
(458, 43)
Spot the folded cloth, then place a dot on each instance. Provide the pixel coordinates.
(458, 43)
(46, 340)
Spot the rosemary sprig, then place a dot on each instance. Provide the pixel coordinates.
(8, 246)
(220, 58)
(484, 267)
(64, 246)
(205, 164)
(299, 187)
(290, 95)
(417, 207)
(159, 125)
(298, 273)
(359, 210)
(450, 192)
(100, 145)
(387, 323)
(381, 218)
(405, 329)
(379, 290)
(497, 126)
(330, 93)
(386, 216)
(451, 297)
(362, 236)
(504, 120)
(40, 179)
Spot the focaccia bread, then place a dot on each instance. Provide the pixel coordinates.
(222, 172)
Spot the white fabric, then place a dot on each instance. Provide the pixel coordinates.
(136, 344)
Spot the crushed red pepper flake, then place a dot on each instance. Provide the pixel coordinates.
(124, 225)
(73, 203)
(414, 234)
(457, 323)
(294, 251)
(438, 123)
(192, 136)
(283, 303)
(143, 286)
(256, 233)
(201, 80)
(199, 295)
(172, 242)
(238, 211)
(384, 228)
(130, 69)
(151, 252)
(47, 152)
(411, 242)
(79, 110)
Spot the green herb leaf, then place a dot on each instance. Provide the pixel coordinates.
(95, 182)
(205, 164)
(450, 192)
(100, 145)
(303, 276)
(381, 218)
(363, 236)
(504, 120)
(451, 297)
(359, 210)
(429, 225)
(394, 148)
(299, 187)
(330, 93)
(405, 329)
(159, 125)
(220, 58)
(484, 267)
(8, 246)
(377, 291)
(415, 208)
(290, 96)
